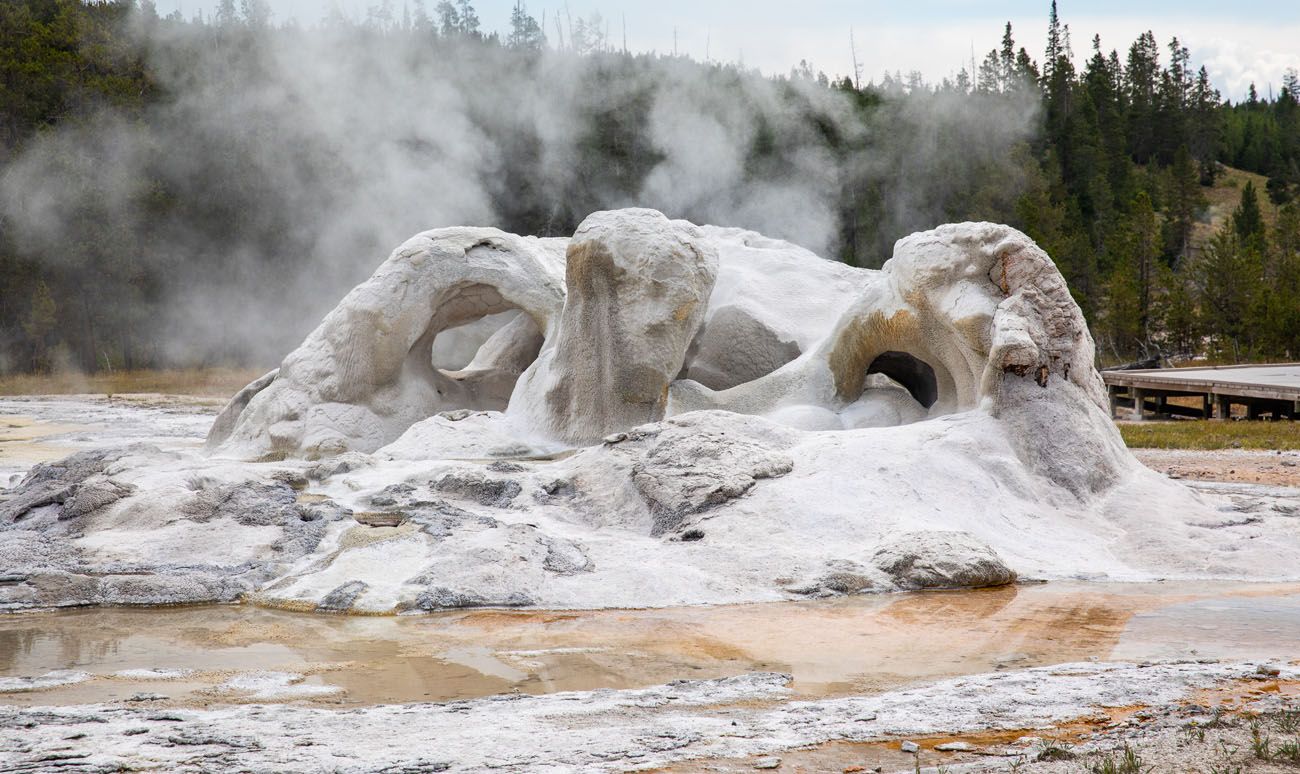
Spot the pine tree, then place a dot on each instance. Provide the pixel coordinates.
(449, 24)
(1027, 75)
(257, 13)
(1141, 248)
(1205, 135)
(990, 74)
(1291, 82)
(1227, 277)
(1101, 81)
(421, 24)
(1054, 44)
(1280, 321)
(1141, 77)
(524, 30)
(1177, 312)
(227, 16)
(963, 83)
(1185, 202)
(1247, 220)
(1007, 61)
(469, 24)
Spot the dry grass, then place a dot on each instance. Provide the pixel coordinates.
(213, 382)
(1224, 197)
(1199, 434)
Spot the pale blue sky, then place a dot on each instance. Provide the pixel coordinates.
(1239, 42)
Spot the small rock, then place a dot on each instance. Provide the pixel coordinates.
(1268, 670)
(559, 488)
(1288, 463)
(910, 747)
(941, 559)
(954, 747)
(379, 518)
(771, 762)
(135, 731)
(503, 466)
(616, 438)
(295, 479)
(146, 697)
(495, 492)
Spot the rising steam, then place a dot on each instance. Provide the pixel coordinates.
(282, 165)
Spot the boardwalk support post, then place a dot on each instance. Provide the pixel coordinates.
(1139, 403)
(1225, 406)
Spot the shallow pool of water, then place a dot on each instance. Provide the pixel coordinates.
(833, 646)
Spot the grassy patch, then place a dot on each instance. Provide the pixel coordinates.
(1126, 762)
(1198, 434)
(195, 381)
(1224, 197)
(1055, 750)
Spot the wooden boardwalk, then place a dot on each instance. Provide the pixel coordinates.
(1264, 391)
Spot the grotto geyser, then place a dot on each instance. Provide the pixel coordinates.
(649, 413)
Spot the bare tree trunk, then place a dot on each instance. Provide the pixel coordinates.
(857, 68)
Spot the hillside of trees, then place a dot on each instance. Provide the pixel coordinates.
(198, 191)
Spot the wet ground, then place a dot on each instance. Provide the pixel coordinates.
(209, 655)
(44, 428)
(214, 656)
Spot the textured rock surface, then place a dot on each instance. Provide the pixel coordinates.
(937, 423)
(70, 487)
(689, 465)
(684, 721)
(638, 288)
(941, 560)
(772, 301)
(85, 536)
(366, 374)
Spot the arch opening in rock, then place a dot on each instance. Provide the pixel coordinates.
(456, 347)
(475, 362)
(914, 374)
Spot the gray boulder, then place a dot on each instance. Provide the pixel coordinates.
(941, 560)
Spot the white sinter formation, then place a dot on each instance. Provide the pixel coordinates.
(650, 413)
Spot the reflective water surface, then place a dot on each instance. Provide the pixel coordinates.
(834, 646)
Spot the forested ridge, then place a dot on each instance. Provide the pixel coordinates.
(180, 191)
